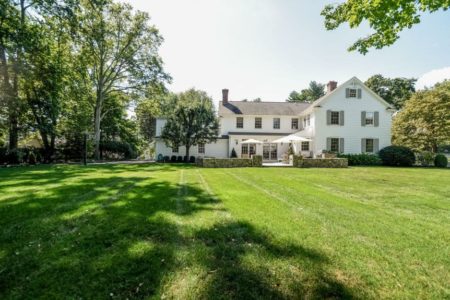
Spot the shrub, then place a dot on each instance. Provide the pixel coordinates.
(32, 158)
(160, 158)
(3, 152)
(173, 158)
(166, 158)
(363, 159)
(180, 159)
(440, 161)
(117, 149)
(14, 157)
(192, 159)
(397, 156)
(185, 158)
(425, 158)
(233, 153)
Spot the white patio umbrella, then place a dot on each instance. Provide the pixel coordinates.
(251, 141)
(291, 138)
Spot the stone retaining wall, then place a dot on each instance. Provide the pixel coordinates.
(255, 161)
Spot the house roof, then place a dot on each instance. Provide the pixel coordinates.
(354, 79)
(262, 108)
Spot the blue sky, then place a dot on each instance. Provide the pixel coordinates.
(267, 48)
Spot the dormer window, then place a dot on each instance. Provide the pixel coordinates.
(239, 122)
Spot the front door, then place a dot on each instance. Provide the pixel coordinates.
(270, 151)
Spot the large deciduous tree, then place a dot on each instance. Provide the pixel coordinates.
(387, 18)
(312, 93)
(119, 54)
(424, 123)
(193, 121)
(394, 90)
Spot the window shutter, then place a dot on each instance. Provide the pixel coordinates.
(359, 93)
(363, 145)
(376, 119)
(347, 93)
(328, 117)
(376, 145)
(363, 118)
(341, 145)
(328, 144)
(341, 118)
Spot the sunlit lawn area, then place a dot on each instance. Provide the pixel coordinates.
(152, 231)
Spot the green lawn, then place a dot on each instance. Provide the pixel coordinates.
(161, 231)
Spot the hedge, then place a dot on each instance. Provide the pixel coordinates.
(440, 161)
(362, 159)
(324, 163)
(255, 161)
(397, 156)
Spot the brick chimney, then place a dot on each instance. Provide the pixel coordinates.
(331, 86)
(225, 96)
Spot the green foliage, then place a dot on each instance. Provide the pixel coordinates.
(397, 156)
(192, 159)
(386, 18)
(117, 150)
(441, 161)
(192, 121)
(173, 158)
(233, 153)
(423, 123)
(362, 159)
(394, 91)
(312, 93)
(425, 158)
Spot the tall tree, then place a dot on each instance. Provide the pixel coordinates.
(119, 53)
(394, 90)
(47, 74)
(387, 18)
(193, 121)
(424, 123)
(313, 92)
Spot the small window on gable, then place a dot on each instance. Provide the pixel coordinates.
(239, 122)
(352, 93)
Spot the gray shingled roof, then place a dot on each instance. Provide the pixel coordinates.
(262, 108)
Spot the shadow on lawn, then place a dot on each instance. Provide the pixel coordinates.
(114, 237)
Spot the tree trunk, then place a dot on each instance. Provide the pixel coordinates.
(98, 114)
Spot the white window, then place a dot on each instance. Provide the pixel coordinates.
(369, 118)
(276, 123)
(335, 118)
(369, 145)
(201, 148)
(294, 123)
(334, 146)
(239, 122)
(352, 93)
(305, 146)
(244, 149)
(258, 123)
(175, 149)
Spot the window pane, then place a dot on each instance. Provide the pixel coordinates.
(352, 93)
(305, 146)
(239, 122)
(335, 117)
(369, 145)
(334, 145)
(201, 148)
(244, 149)
(258, 123)
(369, 118)
(175, 149)
(276, 123)
(294, 124)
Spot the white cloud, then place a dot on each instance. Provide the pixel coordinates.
(432, 77)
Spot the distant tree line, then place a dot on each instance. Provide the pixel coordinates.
(74, 67)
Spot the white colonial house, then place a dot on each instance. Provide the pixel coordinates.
(350, 118)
